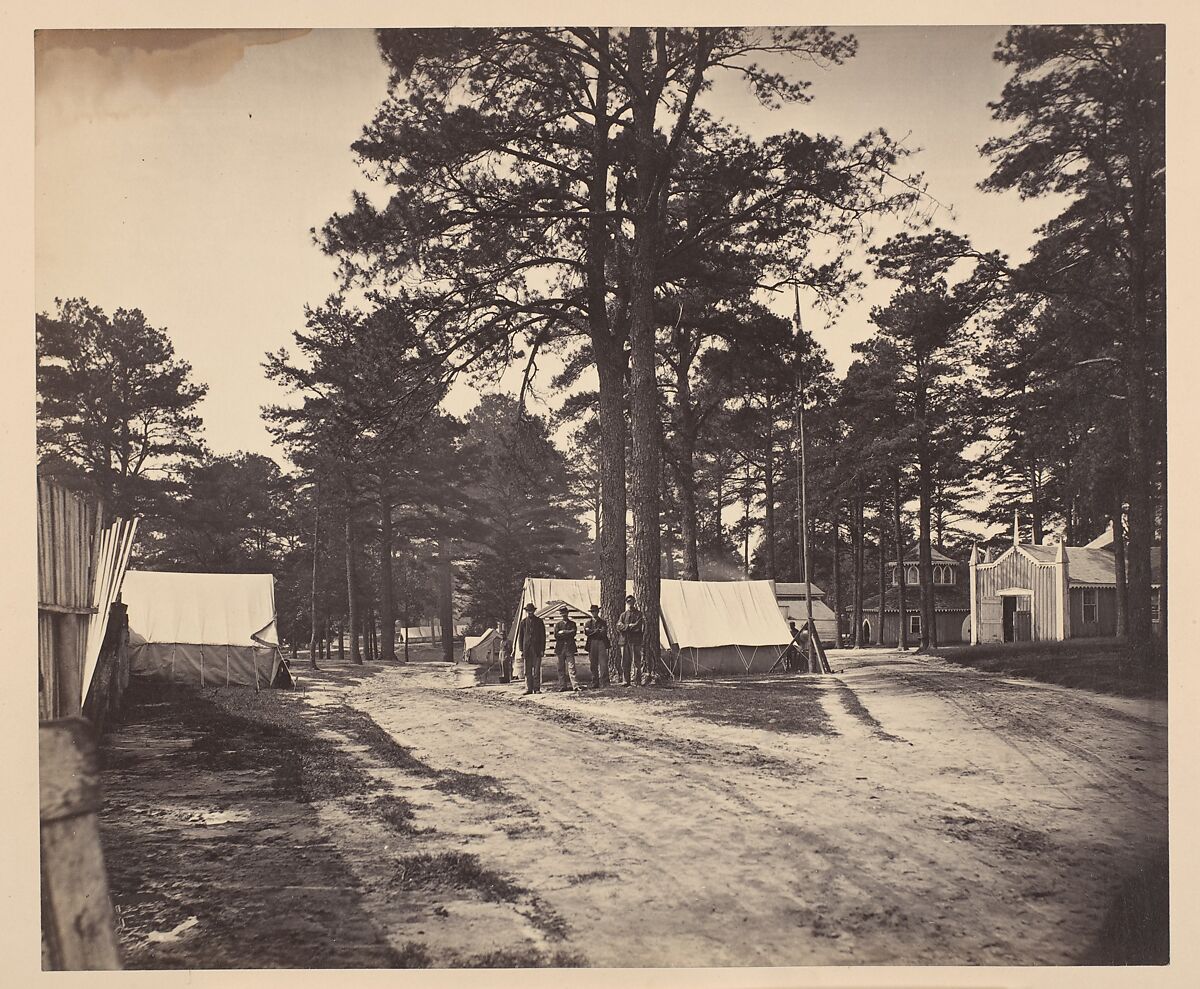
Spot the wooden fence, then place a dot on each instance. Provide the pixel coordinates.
(80, 567)
(67, 528)
(81, 563)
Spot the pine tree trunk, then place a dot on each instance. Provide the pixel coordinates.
(837, 569)
(387, 599)
(924, 499)
(1035, 499)
(901, 575)
(643, 383)
(1137, 483)
(609, 355)
(341, 642)
(685, 459)
(352, 592)
(882, 544)
(769, 502)
(689, 526)
(858, 566)
(718, 524)
(312, 600)
(446, 598)
(925, 557)
(1118, 524)
(746, 525)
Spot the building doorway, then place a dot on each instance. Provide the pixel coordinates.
(1018, 618)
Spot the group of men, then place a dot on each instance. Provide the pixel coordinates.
(531, 643)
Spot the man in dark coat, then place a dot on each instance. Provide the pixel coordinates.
(595, 633)
(630, 626)
(564, 648)
(791, 655)
(531, 640)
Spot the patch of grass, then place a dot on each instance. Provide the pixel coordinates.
(397, 812)
(236, 728)
(544, 918)
(476, 786)
(1102, 665)
(855, 707)
(528, 957)
(456, 870)
(964, 827)
(414, 954)
(587, 877)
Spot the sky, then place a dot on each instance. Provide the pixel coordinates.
(181, 173)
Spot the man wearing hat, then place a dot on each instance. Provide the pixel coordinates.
(595, 634)
(564, 648)
(630, 627)
(531, 640)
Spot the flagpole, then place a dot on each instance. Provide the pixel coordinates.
(814, 664)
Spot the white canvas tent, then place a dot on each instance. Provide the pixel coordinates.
(481, 648)
(717, 626)
(212, 629)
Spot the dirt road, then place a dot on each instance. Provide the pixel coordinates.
(936, 815)
(903, 811)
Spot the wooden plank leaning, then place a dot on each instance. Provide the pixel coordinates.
(77, 916)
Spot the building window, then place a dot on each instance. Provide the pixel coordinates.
(1090, 605)
(895, 579)
(911, 575)
(1154, 612)
(914, 624)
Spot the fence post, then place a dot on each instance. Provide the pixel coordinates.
(77, 920)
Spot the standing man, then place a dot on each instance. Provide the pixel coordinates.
(791, 655)
(630, 626)
(506, 656)
(531, 640)
(595, 633)
(564, 648)
(804, 640)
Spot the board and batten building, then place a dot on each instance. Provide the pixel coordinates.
(1053, 592)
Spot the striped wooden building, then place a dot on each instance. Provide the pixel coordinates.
(1048, 593)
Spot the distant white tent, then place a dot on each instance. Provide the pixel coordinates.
(482, 649)
(717, 626)
(212, 629)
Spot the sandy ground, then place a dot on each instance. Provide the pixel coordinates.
(918, 813)
(959, 819)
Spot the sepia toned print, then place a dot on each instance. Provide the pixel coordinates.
(602, 497)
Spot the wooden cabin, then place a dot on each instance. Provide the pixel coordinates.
(790, 596)
(1049, 593)
(951, 603)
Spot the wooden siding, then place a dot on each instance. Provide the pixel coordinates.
(1106, 613)
(1045, 603)
(949, 628)
(1016, 570)
(67, 528)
